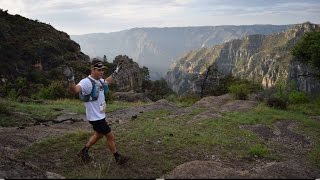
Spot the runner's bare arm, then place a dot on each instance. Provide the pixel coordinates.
(109, 79)
(74, 88)
(116, 71)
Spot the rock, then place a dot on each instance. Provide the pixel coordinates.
(51, 175)
(68, 116)
(130, 97)
(164, 102)
(119, 121)
(239, 105)
(134, 116)
(69, 121)
(131, 76)
(255, 57)
(204, 170)
(255, 97)
(212, 101)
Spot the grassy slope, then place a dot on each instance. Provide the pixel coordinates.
(18, 114)
(158, 143)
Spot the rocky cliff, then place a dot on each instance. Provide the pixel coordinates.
(157, 48)
(260, 58)
(130, 77)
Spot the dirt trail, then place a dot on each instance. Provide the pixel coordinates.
(291, 145)
(14, 139)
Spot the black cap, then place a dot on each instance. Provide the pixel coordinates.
(96, 63)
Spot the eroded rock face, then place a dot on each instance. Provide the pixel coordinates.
(157, 47)
(265, 59)
(130, 77)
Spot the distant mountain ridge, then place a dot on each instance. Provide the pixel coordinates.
(157, 48)
(261, 58)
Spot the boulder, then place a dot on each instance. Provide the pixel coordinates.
(130, 97)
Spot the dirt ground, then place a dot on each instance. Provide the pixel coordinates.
(292, 146)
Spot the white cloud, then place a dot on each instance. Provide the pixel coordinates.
(13, 7)
(88, 16)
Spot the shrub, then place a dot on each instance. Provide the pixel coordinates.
(172, 98)
(277, 103)
(283, 89)
(187, 99)
(42, 94)
(317, 100)
(110, 97)
(159, 90)
(264, 94)
(239, 91)
(298, 97)
(13, 95)
(54, 91)
(258, 150)
(214, 87)
(3, 90)
(4, 109)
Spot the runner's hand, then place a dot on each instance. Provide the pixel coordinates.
(68, 73)
(119, 67)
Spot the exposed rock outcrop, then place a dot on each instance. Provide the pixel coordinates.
(156, 48)
(131, 97)
(260, 58)
(130, 77)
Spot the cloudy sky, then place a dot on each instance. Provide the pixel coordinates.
(93, 16)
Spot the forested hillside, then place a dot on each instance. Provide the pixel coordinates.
(32, 53)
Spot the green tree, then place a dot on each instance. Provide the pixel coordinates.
(146, 82)
(105, 58)
(307, 51)
(210, 80)
(159, 90)
(145, 72)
